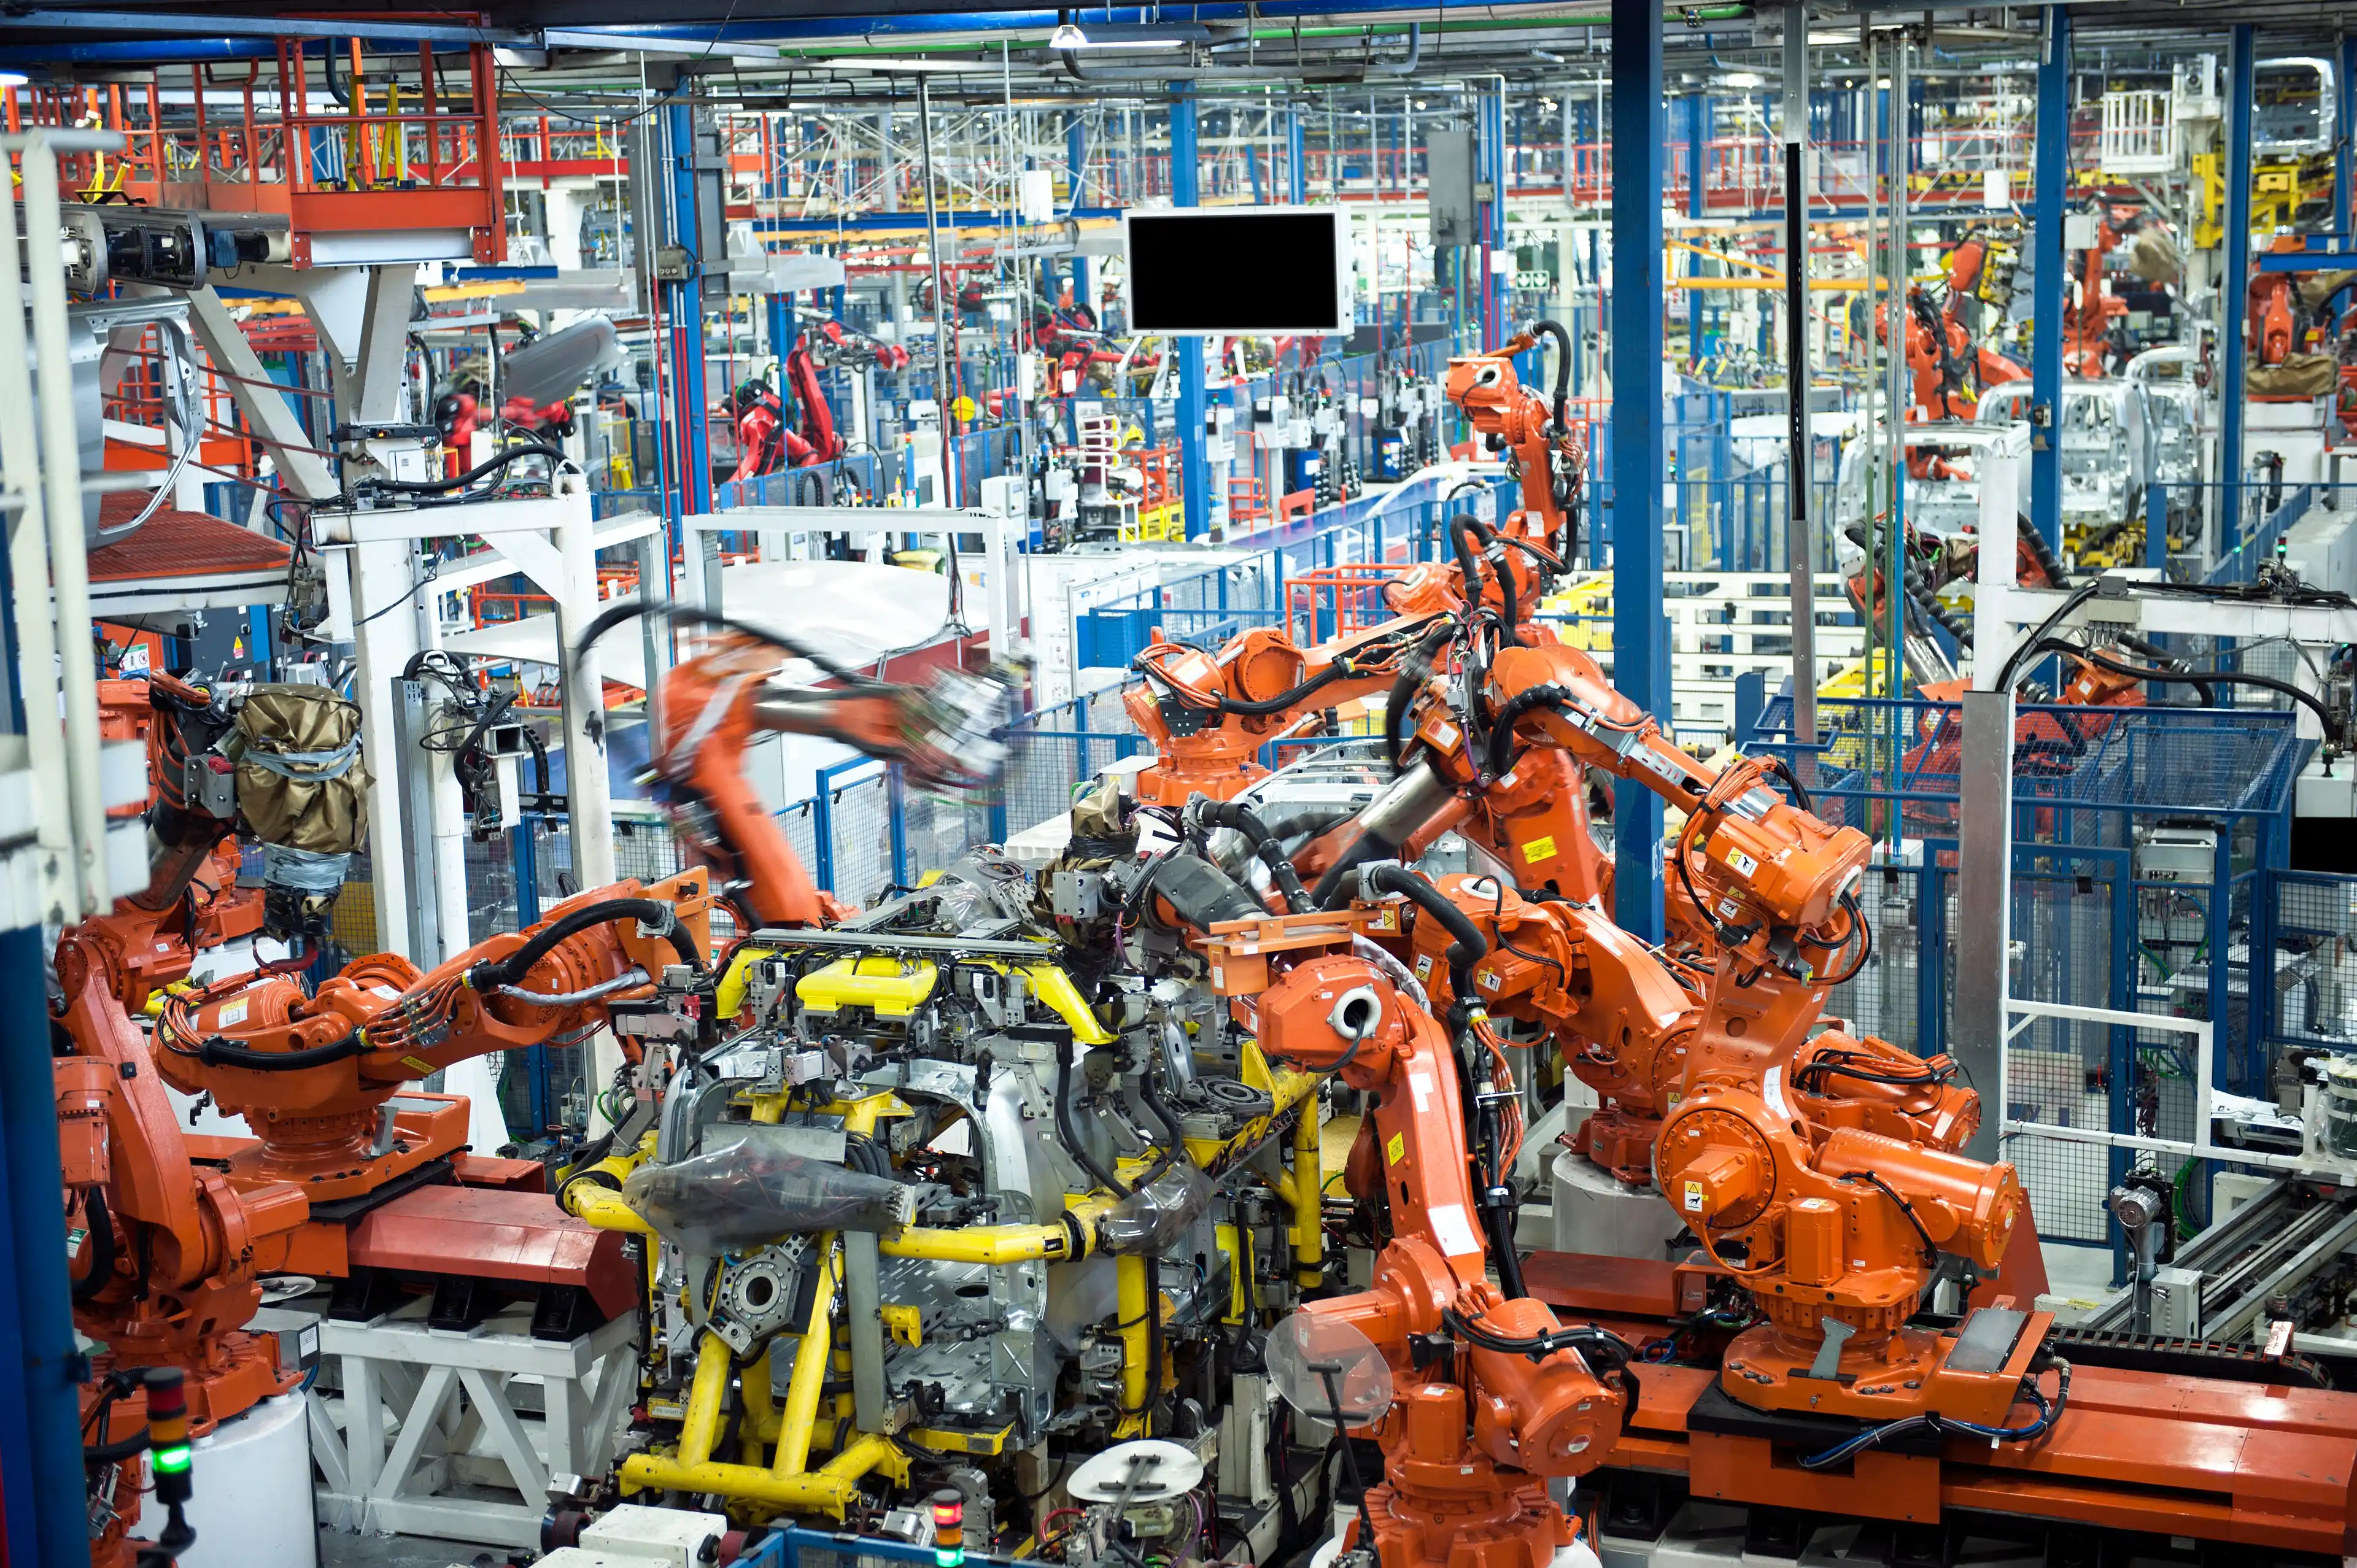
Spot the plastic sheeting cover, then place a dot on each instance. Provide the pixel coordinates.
(746, 1196)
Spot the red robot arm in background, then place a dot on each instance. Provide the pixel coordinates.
(818, 432)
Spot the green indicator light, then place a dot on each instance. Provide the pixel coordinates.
(949, 1556)
(172, 1460)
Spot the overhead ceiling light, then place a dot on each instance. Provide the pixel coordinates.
(1127, 35)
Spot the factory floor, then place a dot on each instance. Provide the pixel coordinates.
(338, 1549)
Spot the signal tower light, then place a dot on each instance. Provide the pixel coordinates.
(948, 1528)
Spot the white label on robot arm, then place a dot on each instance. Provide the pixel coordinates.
(1453, 1231)
(1771, 1090)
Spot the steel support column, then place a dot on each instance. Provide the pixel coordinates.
(40, 1399)
(1194, 460)
(2051, 184)
(1491, 148)
(2234, 284)
(682, 305)
(1296, 176)
(1640, 665)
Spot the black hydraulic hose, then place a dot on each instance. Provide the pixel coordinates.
(220, 1053)
(2201, 678)
(632, 609)
(1174, 1137)
(1065, 1128)
(1502, 728)
(2079, 595)
(102, 1246)
(1561, 370)
(1499, 1217)
(1237, 815)
(500, 460)
(1412, 675)
(491, 974)
(2041, 551)
(1461, 525)
(1464, 952)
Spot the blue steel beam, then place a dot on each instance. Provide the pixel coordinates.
(2234, 289)
(1639, 662)
(2051, 184)
(1194, 461)
(1296, 173)
(44, 1469)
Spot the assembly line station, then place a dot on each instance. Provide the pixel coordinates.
(808, 780)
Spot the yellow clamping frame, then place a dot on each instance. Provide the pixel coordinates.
(787, 1482)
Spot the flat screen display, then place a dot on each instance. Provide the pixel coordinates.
(1250, 271)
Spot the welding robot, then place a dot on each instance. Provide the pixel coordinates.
(181, 1229)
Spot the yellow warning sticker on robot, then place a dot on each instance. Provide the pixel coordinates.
(1397, 1148)
(1693, 1197)
(417, 1065)
(1540, 848)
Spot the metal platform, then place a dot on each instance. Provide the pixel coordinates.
(181, 563)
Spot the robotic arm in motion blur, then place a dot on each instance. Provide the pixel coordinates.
(943, 734)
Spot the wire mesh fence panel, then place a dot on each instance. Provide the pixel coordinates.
(860, 813)
(2059, 1071)
(799, 824)
(1884, 998)
(936, 829)
(490, 888)
(2316, 959)
(1040, 777)
(644, 849)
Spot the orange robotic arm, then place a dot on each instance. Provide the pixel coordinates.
(714, 706)
(1208, 714)
(1493, 1391)
(1542, 446)
(182, 1227)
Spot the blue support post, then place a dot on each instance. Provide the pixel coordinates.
(785, 329)
(2051, 183)
(2234, 284)
(2344, 143)
(1194, 461)
(1491, 140)
(41, 1434)
(2156, 525)
(1297, 170)
(1697, 134)
(1640, 670)
(691, 494)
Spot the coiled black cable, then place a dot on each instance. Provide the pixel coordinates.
(1412, 676)
(1237, 815)
(497, 460)
(491, 974)
(220, 1053)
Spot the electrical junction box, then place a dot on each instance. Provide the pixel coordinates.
(2177, 854)
(673, 1538)
(2079, 231)
(2176, 1303)
(1006, 496)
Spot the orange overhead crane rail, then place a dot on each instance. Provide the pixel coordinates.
(340, 145)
